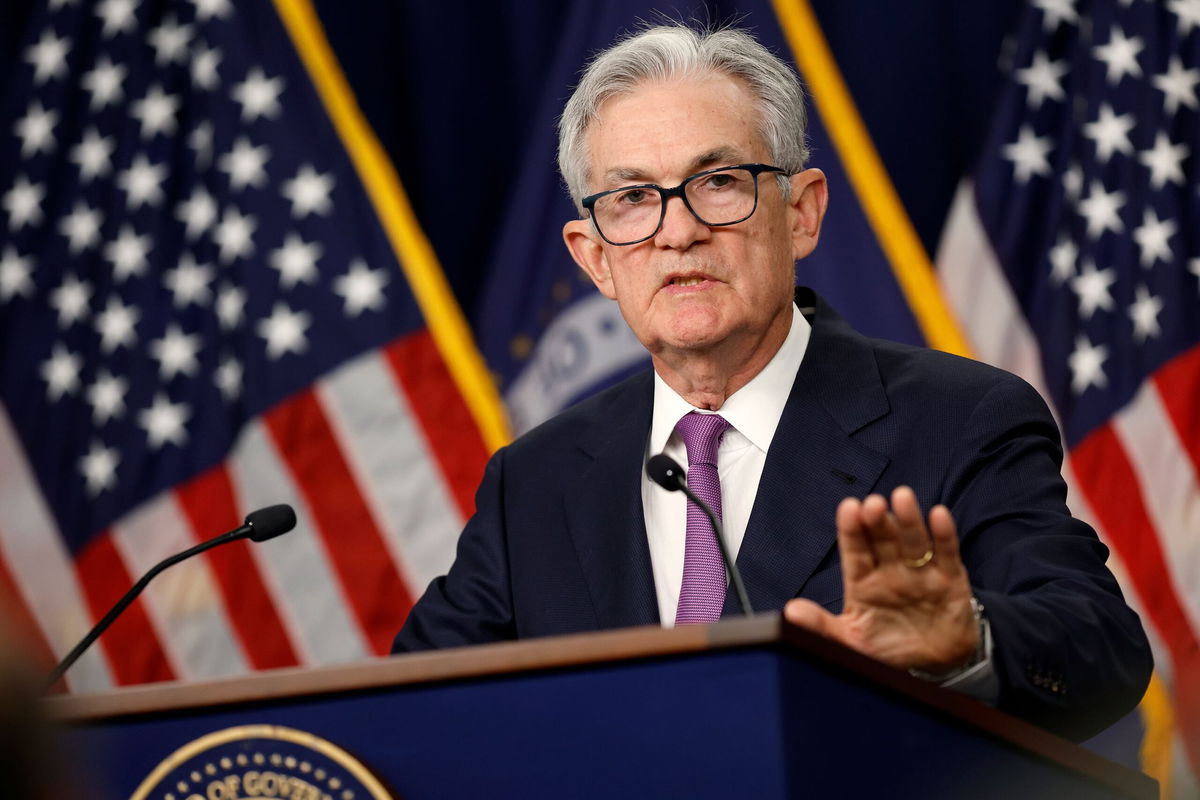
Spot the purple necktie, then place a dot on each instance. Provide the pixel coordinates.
(702, 594)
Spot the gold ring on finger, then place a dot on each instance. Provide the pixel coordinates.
(917, 563)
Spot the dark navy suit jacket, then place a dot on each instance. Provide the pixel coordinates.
(558, 541)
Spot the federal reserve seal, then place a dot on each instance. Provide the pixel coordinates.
(260, 761)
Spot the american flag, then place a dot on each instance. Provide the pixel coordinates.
(1072, 256)
(201, 312)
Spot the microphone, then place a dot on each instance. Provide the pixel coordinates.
(663, 470)
(261, 525)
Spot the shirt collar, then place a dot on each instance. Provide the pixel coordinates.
(755, 409)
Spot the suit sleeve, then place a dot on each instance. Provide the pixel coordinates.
(471, 604)
(1069, 653)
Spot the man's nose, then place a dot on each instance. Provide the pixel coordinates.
(680, 228)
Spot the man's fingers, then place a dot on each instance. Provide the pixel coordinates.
(945, 539)
(915, 543)
(880, 528)
(807, 614)
(853, 547)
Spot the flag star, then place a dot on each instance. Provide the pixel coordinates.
(204, 67)
(165, 422)
(118, 16)
(23, 202)
(1043, 79)
(284, 331)
(117, 325)
(245, 164)
(1073, 182)
(48, 57)
(1062, 259)
(36, 130)
(1055, 12)
(1194, 268)
(81, 227)
(361, 288)
(1087, 365)
(309, 192)
(201, 140)
(99, 468)
(107, 397)
(1144, 313)
(1178, 85)
(1188, 12)
(1153, 237)
(61, 373)
(258, 95)
(127, 253)
(231, 306)
(1091, 286)
(176, 352)
(16, 275)
(1165, 161)
(1120, 56)
(142, 182)
(1100, 209)
(104, 83)
(170, 42)
(228, 377)
(1028, 154)
(189, 282)
(55, 5)
(296, 261)
(235, 235)
(1110, 133)
(156, 111)
(71, 300)
(197, 213)
(93, 154)
(207, 9)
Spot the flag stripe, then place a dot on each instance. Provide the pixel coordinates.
(393, 463)
(131, 643)
(443, 415)
(295, 567)
(209, 505)
(352, 539)
(1179, 384)
(909, 261)
(412, 248)
(183, 602)
(42, 570)
(19, 623)
(1169, 488)
(1109, 481)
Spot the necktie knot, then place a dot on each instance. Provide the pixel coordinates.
(701, 434)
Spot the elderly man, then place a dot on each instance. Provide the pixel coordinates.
(685, 152)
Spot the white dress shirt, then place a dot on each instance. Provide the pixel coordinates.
(754, 412)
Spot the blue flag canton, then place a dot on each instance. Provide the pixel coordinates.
(183, 244)
(1087, 190)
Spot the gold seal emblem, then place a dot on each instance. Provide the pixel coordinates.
(248, 762)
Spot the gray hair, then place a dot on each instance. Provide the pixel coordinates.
(670, 51)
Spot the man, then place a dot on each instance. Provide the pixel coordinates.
(685, 153)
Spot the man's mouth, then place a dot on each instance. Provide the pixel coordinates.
(690, 279)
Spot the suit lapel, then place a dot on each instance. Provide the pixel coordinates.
(813, 463)
(604, 510)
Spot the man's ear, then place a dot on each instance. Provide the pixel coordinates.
(810, 197)
(585, 247)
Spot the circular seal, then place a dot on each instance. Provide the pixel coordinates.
(260, 761)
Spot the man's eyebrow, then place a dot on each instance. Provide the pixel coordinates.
(720, 155)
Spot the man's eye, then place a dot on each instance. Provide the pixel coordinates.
(634, 197)
(718, 181)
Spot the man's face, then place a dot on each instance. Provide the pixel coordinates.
(692, 287)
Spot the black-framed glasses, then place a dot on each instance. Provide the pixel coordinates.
(716, 197)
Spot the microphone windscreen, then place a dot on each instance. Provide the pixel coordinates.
(663, 470)
(267, 523)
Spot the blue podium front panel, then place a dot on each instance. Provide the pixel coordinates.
(753, 722)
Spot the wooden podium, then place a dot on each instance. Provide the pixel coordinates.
(748, 708)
